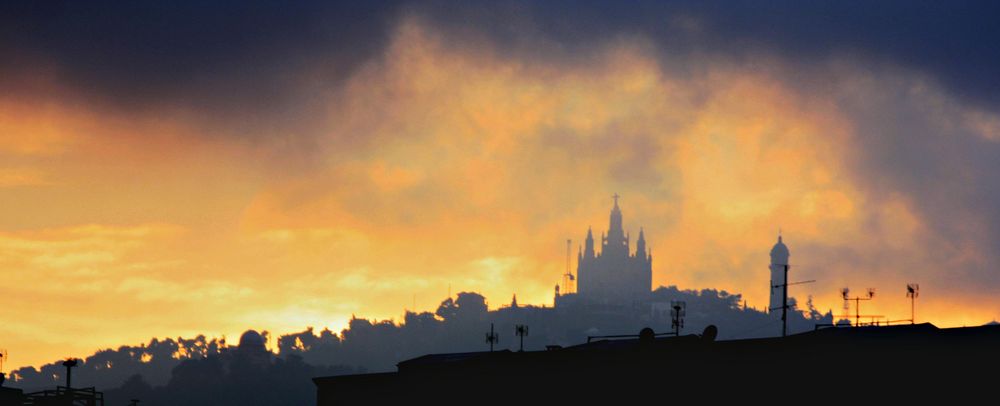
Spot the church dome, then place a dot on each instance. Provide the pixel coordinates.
(251, 340)
(779, 254)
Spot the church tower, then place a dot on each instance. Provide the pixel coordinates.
(616, 243)
(614, 276)
(779, 259)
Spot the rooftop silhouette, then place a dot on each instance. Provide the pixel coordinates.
(874, 362)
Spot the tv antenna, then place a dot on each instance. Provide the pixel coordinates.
(912, 292)
(845, 292)
(521, 330)
(678, 309)
(784, 300)
(492, 337)
(847, 304)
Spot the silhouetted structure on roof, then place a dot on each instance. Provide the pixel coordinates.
(60, 396)
(878, 361)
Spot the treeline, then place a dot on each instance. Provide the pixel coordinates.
(210, 371)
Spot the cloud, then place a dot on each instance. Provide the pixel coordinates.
(258, 70)
(311, 164)
(505, 148)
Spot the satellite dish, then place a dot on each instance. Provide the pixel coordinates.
(646, 335)
(710, 333)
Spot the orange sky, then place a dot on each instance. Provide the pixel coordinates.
(442, 166)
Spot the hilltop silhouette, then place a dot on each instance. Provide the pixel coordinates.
(614, 297)
(211, 371)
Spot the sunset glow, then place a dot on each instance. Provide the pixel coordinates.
(450, 162)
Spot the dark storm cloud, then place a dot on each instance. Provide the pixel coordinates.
(213, 57)
(256, 56)
(955, 42)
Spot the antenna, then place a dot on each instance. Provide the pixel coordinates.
(521, 330)
(912, 292)
(568, 276)
(845, 292)
(678, 308)
(569, 243)
(492, 337)
(784, 299)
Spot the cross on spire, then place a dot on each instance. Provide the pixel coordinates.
(616, 196)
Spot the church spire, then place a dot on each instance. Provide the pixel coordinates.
(640, 246)
(589, 248)
(616, 244)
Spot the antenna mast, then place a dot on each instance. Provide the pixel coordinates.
(492, 337)
(784, 300)
(912, 292)
(568, 278)
(678, 309)
(521, 330)
(857, 303)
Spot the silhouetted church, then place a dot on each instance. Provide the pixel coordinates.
(615, 275)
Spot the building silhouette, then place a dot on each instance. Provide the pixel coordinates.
(60, 396)
(615, 275)
(779, 259)
(826, 365)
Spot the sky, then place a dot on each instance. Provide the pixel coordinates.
(208, 167)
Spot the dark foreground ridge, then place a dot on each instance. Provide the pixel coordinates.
(891, 362)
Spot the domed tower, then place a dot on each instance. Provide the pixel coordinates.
(779, 260)
(252, 341)
(253, 348)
